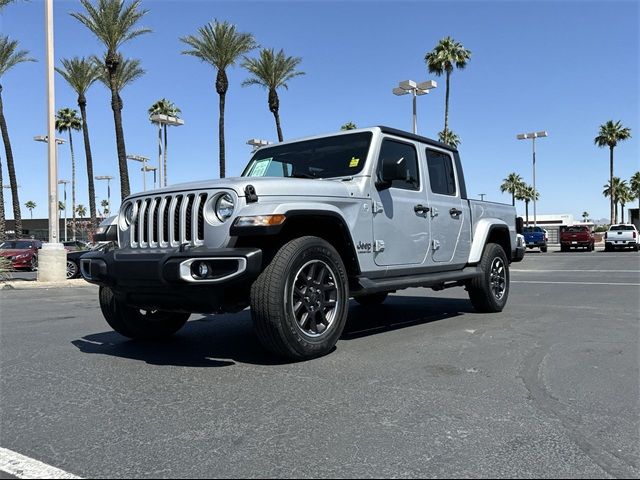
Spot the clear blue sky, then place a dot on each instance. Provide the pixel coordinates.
(565, 67)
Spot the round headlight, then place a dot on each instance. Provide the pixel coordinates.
(224, 207)
(128, 214)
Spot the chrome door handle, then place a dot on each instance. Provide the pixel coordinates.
(421, 209)
(454, 212)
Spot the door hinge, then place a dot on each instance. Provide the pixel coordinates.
(378, 246)
(377, 208)
(435, 244)
(434, 212)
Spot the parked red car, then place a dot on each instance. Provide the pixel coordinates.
(576, 236)
(22, 253)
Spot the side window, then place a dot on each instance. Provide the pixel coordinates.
(441, 173)
(405, 156)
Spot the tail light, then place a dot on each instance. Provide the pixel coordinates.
(606, 234)
(634, 234)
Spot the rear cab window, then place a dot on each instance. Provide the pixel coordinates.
(442, 176)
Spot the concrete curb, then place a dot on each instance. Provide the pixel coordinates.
(33, 284)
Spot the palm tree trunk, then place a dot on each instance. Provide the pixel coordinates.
(221, 135)
(611, 185)
(274, 107)
(164, 176)
(446, 105)
(222, 84)
(3, 228)
(513, 199)
(116, 106)
(12, 172)
(82, 103)
(622, 212)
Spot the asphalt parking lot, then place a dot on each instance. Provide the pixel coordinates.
(421, 387)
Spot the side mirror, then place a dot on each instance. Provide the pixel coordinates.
(390, 170)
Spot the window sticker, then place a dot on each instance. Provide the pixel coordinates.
(354, 162)
(260, 167)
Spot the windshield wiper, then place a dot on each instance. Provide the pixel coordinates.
(302, 175)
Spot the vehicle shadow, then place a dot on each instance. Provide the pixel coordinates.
(226, 339)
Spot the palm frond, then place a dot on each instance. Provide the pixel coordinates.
(271, 70)
(127, 71)
(10, 56)
(79, 73)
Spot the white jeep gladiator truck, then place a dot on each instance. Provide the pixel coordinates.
(310, 224)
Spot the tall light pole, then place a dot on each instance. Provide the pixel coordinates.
(481, 195)
(143, 160)
(52, 259)
(108, 178)
(533, 136)
(415, 89)
(64, 182)
(162, 120)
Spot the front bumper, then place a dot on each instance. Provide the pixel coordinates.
(168, 280)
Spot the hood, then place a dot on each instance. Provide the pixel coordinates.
(13, 252)
(265, 187)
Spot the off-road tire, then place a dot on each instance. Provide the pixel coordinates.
(138, 324)
(272, 304)
(372, 300)
(481, 289)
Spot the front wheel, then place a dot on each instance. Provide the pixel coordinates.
(299, 303)
(489, 291)
(136, 323)
(72, 269)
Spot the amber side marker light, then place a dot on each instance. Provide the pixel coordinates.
(260, 220)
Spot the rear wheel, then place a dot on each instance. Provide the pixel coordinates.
(372, 300)
(136, 323)
(299, 303)
(72, 269)
(564, 248)
(34, 263)
(489, 292)
(543, 249)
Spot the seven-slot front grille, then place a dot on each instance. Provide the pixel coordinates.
(168, 220)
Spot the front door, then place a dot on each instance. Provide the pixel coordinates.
(400, 221)
(446, 206)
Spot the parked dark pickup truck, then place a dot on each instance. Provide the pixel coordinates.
(535, 237)
(576, 237)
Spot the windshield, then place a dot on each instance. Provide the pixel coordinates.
(577, 229)
(532, 229)
(15, 245)
(328, 157)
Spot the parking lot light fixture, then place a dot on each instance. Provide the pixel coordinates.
(147, 168)
(256, 143)
(532, 136)
(143, 160)
(415, 89)
(45, 139)
(164, 120)
(108, 178)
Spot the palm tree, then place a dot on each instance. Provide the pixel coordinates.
(349, 126)
(105, 207)
(446, 55)
(612, 191)
(512, 184)
(450, 138)
(80, 74)
(272, 71)
(10, 56)
(81, 210)
(220, 45)
(164, 107)
(609, 135)
(585, 216)
(30, 206)
(66, 121)
(526, 193)
(635, 188)
(624, 196)
(114, 23)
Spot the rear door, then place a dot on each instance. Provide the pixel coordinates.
(447, 214)
(400, 222)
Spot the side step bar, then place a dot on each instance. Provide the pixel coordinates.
(438, 281)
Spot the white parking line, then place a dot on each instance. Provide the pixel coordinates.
(24, 467)
(580, 271)
(577, 283)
